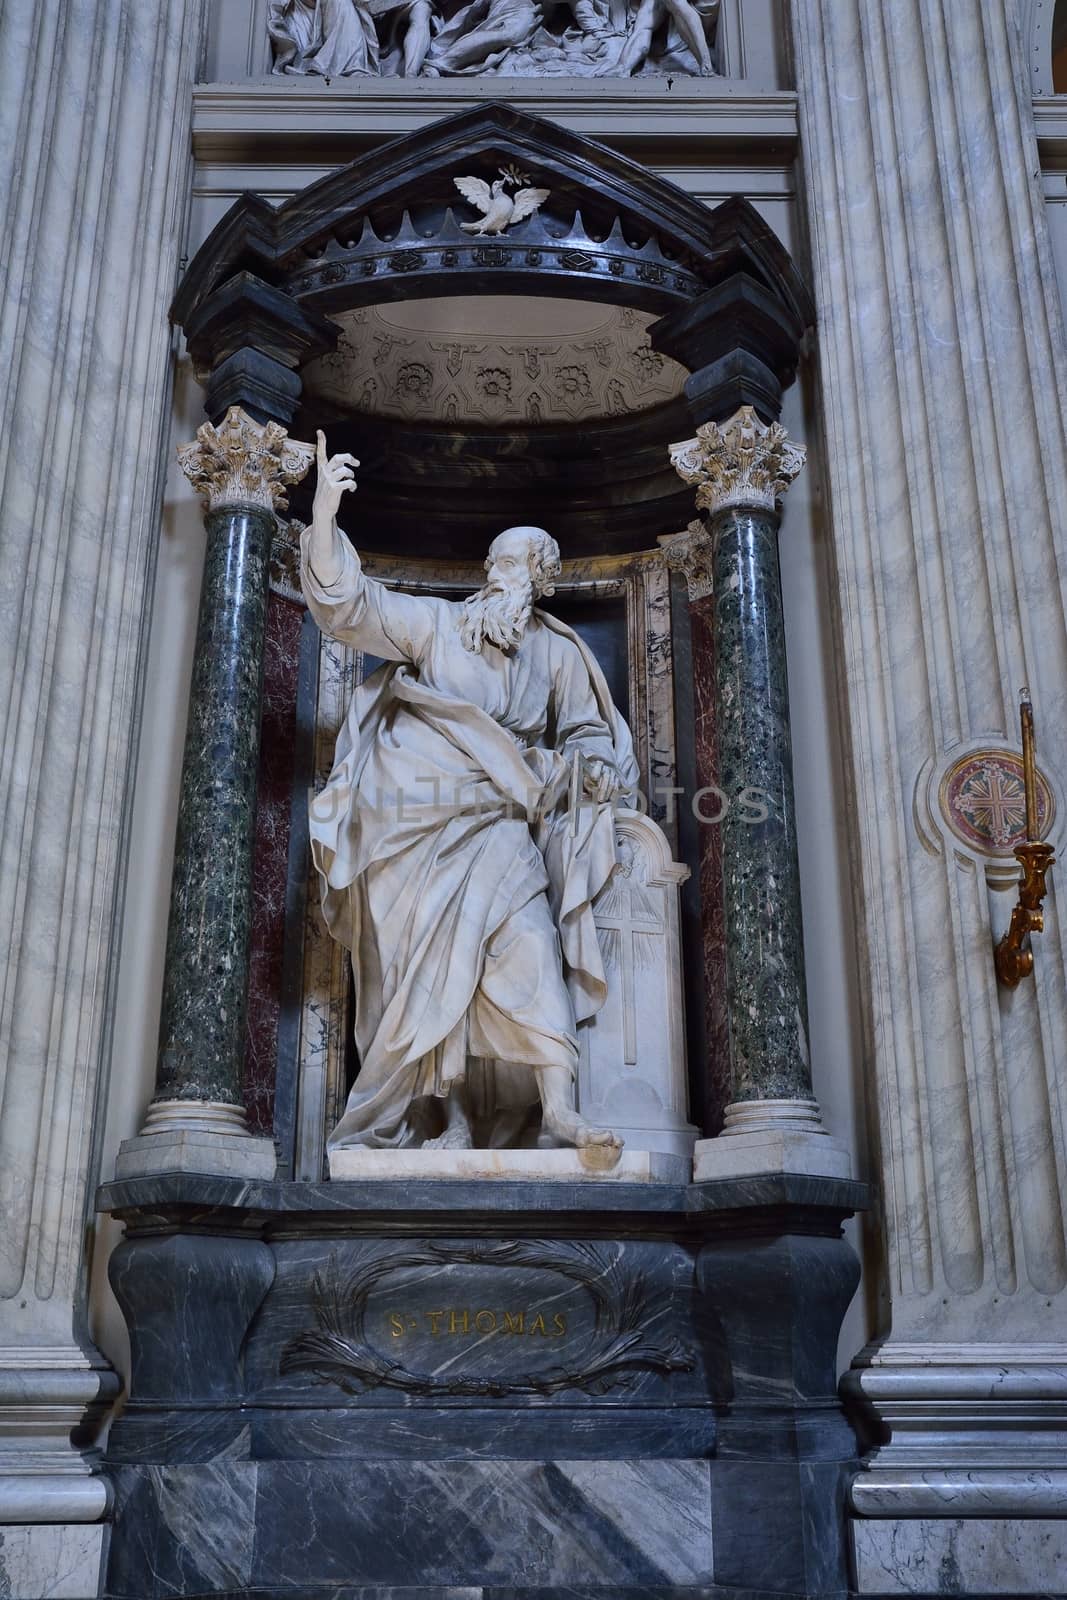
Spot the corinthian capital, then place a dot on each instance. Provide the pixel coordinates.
(242, 462)
(691, 553)
(743, 462)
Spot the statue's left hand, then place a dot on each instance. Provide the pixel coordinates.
(600, 779)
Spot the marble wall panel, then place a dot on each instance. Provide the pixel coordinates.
(324, 1009)
(998, 1556)
(43, 1562)
(270, 871)
(627, 1526)
(521, 1314)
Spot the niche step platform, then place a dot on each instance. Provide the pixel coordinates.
(604, 1163)
(488, 1390)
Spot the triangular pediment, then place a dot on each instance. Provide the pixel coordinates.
(609, 228)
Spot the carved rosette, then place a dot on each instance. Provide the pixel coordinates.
(243, 462)
(691, 553)
(743, 462)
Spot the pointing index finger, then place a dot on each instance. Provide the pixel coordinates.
(320, 447)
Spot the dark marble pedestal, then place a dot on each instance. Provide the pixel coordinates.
(481, 1391)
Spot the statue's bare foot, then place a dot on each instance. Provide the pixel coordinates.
(455, 1138)
(568, 1128)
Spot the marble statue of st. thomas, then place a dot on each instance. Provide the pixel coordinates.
(454, 862)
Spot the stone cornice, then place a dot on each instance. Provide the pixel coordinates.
(242, 121)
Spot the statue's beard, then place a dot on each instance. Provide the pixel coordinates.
(496, 614)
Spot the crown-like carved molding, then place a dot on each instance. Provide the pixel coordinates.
(691, 554)
(244, 462)
(743, 462)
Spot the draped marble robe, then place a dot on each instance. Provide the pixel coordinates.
(326, 38)
(449, 867)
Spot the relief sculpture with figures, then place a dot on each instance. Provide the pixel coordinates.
(503, 38)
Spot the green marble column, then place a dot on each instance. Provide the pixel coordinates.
(739, 470)
(196, 1120)
(761, 880)
(205, 976)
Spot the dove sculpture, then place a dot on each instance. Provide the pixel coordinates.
(499, 209)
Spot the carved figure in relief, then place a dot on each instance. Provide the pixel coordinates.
(691, 27)
(480, 34)
(405, 30)
(323, 38)
(453, 867)
(509, 38)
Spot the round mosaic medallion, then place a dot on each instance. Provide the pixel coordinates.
(983, 800)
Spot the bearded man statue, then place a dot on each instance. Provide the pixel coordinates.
(455, 865)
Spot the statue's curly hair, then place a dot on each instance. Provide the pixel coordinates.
(545, 564)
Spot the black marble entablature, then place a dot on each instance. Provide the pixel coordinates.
(718, 1205)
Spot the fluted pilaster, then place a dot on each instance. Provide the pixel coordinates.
(942, 356)
(94, 115)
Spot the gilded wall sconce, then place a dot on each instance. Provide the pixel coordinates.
(1013, 955)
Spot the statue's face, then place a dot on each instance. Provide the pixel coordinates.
(500, 610)
(508, 563)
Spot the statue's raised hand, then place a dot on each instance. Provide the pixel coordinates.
(336, 478)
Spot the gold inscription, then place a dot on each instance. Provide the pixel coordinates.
(460, 1321)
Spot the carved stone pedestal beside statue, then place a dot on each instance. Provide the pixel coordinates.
(494, 1390)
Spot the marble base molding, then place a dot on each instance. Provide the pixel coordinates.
(584, 1388)
(973, 1430)
(196, 1136)
(771, 1136)
(46, 1408)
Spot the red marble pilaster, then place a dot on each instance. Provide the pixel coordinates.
(702, 628)
(274, 798)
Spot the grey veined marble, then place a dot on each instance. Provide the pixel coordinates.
(994, 1556)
